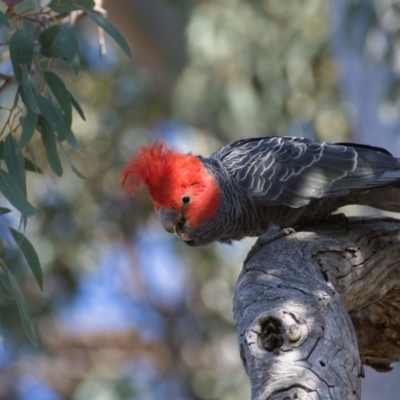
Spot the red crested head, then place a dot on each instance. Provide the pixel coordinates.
(175, 181)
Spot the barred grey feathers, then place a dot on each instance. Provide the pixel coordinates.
(288, 181)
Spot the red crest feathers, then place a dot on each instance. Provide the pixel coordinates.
(164, 172)
(148, 167)
(169, 175)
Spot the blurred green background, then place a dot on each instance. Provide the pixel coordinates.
(128, 311)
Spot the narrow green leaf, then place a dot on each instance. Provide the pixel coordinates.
(77, 107)
(21, 52)
(30, 255)
(29, 27)
(29, 122)
(4, 210)
(32, 155)
(4, 20)
(65, 6)
(30, 166)
(29, 92)
(86, 4)
(73, 142)
(112, 31)
(62, 95)
(3, 248)
(53, 115)
(14, 194)
(22, 308)
(16, 98)
(42, 63)
(67, 40)
(48, 48)
(60, 42)
(21, 92)
(53, 51)
(4, 287)
(48, 36)
(50, 144)
(14, 161)
(22, 223)
(69, 161)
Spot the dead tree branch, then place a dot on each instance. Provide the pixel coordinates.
(303, 301)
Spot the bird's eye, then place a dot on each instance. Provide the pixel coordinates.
(185, 199)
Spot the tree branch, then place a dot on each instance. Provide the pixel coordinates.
(292, 305)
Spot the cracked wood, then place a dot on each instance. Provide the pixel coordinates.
(299, 298)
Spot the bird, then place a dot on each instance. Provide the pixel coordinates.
(251, 186)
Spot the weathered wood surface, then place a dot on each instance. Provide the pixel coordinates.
(293, 303)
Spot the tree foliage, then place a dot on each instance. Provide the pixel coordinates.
(37, 37)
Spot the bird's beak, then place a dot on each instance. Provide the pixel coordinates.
(169, 219)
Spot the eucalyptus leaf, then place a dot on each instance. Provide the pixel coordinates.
(53, 115)
(48, 47)
(73, 142)
(67, 40)
(48, 35)
(14, 194)
(29, 27)
(30, 166)
(112, 31)
(66, 6)
(30, 255)
(4, 210)
(22, 308)
(29, 123)
(29, 92)
(22, 223)
(50, 144)
(4, 20)
(42, 63)
(53, 51)
(16, 98)
(32, 156)
(5, 288)
(78, 107)
(21, 52)
(3, 248)
(14, 161)
(69, 161)
(62, 95)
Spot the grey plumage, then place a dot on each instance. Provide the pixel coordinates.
(289, 181)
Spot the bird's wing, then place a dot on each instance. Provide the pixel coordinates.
(288, 171)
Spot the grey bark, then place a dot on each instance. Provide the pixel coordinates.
(302, 301)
